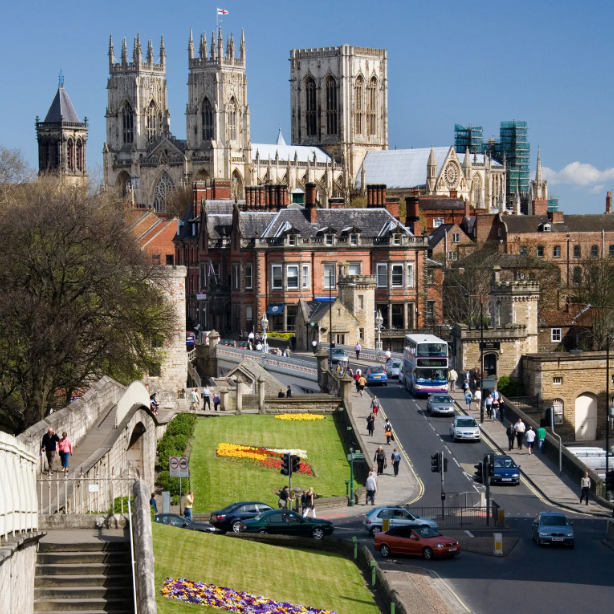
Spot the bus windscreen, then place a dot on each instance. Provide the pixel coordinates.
(433, 349)
(431, 376)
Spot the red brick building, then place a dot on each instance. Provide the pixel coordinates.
(154, 233)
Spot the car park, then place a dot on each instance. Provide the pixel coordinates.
(339, 356)
(506, 471)
(376, 375)
(440, 404)
(231, 517)
(393, 369)
(286, 522)
(175, 520)
(465, 428)
(421, 541)
(396, 516)
(554, 529)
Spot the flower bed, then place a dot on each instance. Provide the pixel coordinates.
(269, 458)
(230, 600)
(299, 417)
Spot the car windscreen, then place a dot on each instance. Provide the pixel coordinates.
(396, 364)
(466, 422)
(504, 462)
(441, 399)
(427, 532)
(553, 521)
(376, 370)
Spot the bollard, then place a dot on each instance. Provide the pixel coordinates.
(385, 525)
(355, 540)
(501, 518)
(392, 608)
(373, 564)
(498, 544)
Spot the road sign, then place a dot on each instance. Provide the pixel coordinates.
(355, 456)
(178, 467)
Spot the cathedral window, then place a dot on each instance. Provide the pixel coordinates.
(163, 190)
(80, 156)
(70, 154)
(207, 121)
(232, 120)
(372, 117)
(359, 104)
(128, 124)
(311, 107)
(331, 106)
(151, 121)
(54, 155)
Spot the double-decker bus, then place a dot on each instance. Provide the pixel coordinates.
(425, 364)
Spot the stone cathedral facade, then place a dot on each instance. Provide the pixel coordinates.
(344, 92)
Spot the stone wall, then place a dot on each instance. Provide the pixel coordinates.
(302, 404)
(143, 549)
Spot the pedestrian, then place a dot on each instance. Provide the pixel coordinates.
(314, 346)
(502, 408)
(388, 355)
(357, 349)
(520, 429)
(216, 401)
(496, 406)
(476, 378)
(468, 398)
(396, 460)
(152, 502)
(452, 377)
(371, 486)
(49, 446)
(380, 457)
(250, 338)
(511, 436)
(303, 502)
(195, 401)
(488, 405)
(258, 347)
(585, 484)
(362, 382)
(375, 405)
(356, 378)
(541, 437)
(388, 431)
(293, 343)
(311, 504)
(65, 450)
(250, 346)
(371, 424)
(288, 392)
(206, 397)
(283, 498)
(530, 439)
(189, 502)
(350, 372)
(478, 399)
(153, 404)
(281, 394)
(466, 381)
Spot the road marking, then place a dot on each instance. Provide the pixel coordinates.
(469, 533)
(457, 463)
(448, 449)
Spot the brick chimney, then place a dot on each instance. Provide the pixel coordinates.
(310, 202)
(556, 217)
(467, 208)
(608, 203)
(370, 195)
(393, 206)
(221, 189)
(336, 203)
(381, 197)
(540, 206)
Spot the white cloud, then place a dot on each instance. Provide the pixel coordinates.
(579, 174)
(597, 189)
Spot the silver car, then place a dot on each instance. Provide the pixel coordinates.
(465, 428)
(339, 356)
(393, 368)
(440, 404)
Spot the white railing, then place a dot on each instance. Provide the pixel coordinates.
(17, 487)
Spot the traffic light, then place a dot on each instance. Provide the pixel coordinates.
(479, 472)
(285, 465)
(609, 480)
(296, 462)
(489, 462)
(435, 463)
(445, 465)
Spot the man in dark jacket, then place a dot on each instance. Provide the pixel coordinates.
(511, 435)
(288, 392)
(49, 446)
(380, 457)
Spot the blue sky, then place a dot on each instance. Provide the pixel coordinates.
(545, 62)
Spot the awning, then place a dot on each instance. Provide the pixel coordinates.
(275, 310)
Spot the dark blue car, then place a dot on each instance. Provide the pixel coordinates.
(506, 471)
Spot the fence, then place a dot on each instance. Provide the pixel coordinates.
(18, 487)
(461, 516)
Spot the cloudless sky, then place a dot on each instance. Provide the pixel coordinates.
(546, 62)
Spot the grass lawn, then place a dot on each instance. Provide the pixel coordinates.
(308, 578)
(217, 482)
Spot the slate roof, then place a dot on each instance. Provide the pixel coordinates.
(61, 108)
(251, 368)
(221, 206)
(219, 225)
(184, 230)
(437, 204)
(438, 234)
(253, 223)
(589, 222)
(304, 153)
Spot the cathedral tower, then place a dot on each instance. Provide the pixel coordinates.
(62, 139)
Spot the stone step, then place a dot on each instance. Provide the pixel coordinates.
(118, 580)
(99, 546)
(83, 605)
(82, 592)
(83, 569)
(74, 558)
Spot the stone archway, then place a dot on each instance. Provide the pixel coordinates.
(490, 364)
(135, 454)
(585, 417)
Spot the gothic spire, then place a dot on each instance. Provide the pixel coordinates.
(220, 45)
(432, 161)
(203, 46)
(191, 46)
(467, 164)
(137, 54)
(242, 47)
(124, 53)
(213, 45)
(162, 52)
(111, 51)
(150, 55)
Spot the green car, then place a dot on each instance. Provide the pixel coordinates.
(286, 522)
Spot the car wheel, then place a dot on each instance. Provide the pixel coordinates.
(375, 530)
(262, 532)
(427, 553)
(318, 533)
(236, 526)
(384, 550)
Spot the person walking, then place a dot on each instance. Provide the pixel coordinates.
(153, 404)
(189, 502)
(496, 406)
(49, 446)
(530, 439)
(452, 377)
(511, 436)
(541, 438)
(356, 378)
(396, 460)
(375, 405)
(478, 399)
(216, 401)
(370, 424)
(388, 355)
(388, 431)
(283, 498)
(488, 405)
(520, 429)
(585, 485)
(194, 400)
(314, 346)
(304, 503)
(357, 349)
(371, 486)
(206, 397)
(362, 382)
(288, 392)
(281, 394)
(152, 503)
(65, 450)
(380, 457)
(311, 504)
(468, 398)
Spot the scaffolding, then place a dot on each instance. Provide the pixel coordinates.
(514, 145)
(553, 204)
(471, 137)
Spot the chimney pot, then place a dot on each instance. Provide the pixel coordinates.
(608, 203)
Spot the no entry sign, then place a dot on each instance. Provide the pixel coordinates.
(178, 467)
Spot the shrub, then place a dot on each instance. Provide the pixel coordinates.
(509, 387)
(183, 424)
(279, 335)
(166, 482)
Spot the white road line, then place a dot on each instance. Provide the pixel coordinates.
(457, 463)
(469, 533)
(476, 488)
(448, 449)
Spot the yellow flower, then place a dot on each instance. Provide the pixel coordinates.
(298, 417)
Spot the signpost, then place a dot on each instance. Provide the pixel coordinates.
(490, 345)
(178, 467)
(352, 456)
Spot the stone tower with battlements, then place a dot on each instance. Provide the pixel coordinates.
(357, 293)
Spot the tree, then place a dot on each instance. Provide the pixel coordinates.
(178, 202)
(78, 300)
(13, 167)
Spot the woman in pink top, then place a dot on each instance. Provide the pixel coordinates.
(65, 449)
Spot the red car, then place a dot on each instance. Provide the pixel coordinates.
(421, 541)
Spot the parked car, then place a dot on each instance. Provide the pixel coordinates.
(553, 528)
(506, 471)
(286, 522)
(440, 404)
(175, 520)
(376, 375)
(339, 356)
(231, 517)
(396, 516)
(422, 541)
(465, 428)
(228, 342)
(393, 368)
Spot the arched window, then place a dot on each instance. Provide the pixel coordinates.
(577, 275)
(163, 189)
(372, 107)
(70, 154)
(311, 115)
(359, 86)
(207, 121)
(54, 154)
(557, 406)
(128, 123)
(80, 160)
(151, 121)
(331, 106)
(237, 185)
(232, 120)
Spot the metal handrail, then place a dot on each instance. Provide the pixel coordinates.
(132, 557)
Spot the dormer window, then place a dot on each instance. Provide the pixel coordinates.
(353, 239)
(292, 240)
(396, 240)
(329, 239)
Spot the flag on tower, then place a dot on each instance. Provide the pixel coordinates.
(222, 12)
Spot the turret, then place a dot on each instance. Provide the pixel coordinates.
(150, 55)
(242, 48)
(111, 53)
(203, 46)
(162, 52)
(230, 48)
(538, 171)
(220, 45)
(124, 54)
(431, 172)
(191, 46)
(137, 54)
(467, 168)
(212, 46)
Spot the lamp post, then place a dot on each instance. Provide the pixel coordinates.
(481, 297)
(265, 324)
(607, 404)
(378, 324)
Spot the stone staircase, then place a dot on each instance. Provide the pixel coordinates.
(85, 578)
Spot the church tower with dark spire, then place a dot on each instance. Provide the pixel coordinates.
(62, 139)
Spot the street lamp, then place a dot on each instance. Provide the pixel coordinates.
(378, 324)
(481, 297)
(265, 324)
